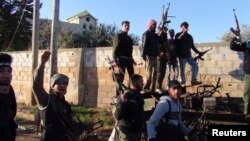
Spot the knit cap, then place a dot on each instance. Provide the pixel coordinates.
(58, 78)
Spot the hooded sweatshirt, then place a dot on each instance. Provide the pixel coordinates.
(161, 109)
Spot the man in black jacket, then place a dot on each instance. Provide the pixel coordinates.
(244, 47)
(57, 119)
(123, 50)
(8, 104)
(130, 111)
(184, 44)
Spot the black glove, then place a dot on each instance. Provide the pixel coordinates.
(191, 136)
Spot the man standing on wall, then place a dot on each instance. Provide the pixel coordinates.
(123, 50)
(149, 52)
(184, 44)
(173, 61)
(162, 59)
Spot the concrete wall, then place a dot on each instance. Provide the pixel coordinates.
(91, 82)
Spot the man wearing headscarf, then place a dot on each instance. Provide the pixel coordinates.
(149, 51)
(56, 114)
(8, 106)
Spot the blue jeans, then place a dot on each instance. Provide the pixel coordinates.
(194, 69)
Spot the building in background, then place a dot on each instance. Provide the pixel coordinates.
(83, 21)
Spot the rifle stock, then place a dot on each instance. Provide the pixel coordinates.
(115, 75)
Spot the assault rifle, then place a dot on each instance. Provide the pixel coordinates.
(117, 76)
(164, 17)
(199, 57)
(236, 31)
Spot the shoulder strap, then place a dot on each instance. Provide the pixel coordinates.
(167, 115)
(45, 107)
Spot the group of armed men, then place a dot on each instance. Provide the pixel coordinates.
(57, 119)
(161, 51)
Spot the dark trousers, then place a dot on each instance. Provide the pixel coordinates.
(124, 64)
(161, 71)
(169, 133)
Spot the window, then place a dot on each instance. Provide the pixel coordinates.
(90, 27)
(84, 26)
(87, 19)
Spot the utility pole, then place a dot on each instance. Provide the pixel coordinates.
(35, 40)
(35, 35)
(54, 38)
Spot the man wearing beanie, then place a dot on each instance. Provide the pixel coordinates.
(184, 44)
(56, 114)
(8, 106)
(165, 123)
(149, 51)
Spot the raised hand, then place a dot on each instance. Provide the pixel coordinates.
(45, 57)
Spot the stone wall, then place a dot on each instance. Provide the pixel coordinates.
(91, 81)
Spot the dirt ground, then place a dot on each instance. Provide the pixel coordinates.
(27, 131)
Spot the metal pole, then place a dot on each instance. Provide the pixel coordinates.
(35, 35)
(54, 38)
(35, 41)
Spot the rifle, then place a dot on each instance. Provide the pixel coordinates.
(116, 75)
(236, 31)
(164, 17)
(86, 129)
(199, 57)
